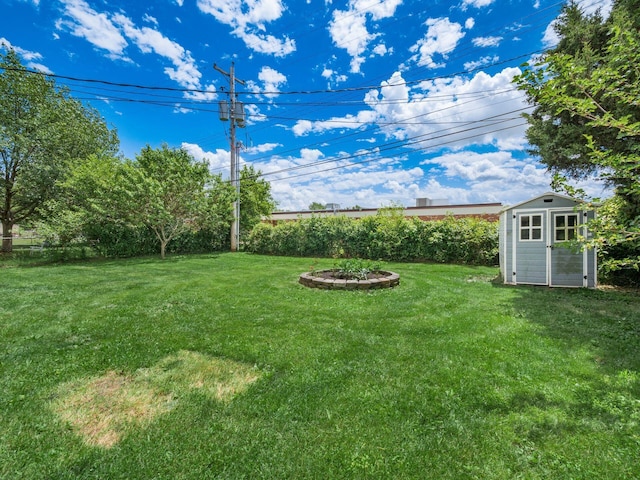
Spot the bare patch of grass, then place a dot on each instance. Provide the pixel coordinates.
(101, 409)
(219, 378)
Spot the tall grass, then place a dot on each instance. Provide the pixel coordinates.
(449, 375)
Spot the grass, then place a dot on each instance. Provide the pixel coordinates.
(222, 366)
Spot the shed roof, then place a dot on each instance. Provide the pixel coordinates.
(546, 194)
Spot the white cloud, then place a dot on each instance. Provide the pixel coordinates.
(486, 41)
(304, 127)
(348, 28)
(148, 18)
(349, 32)
(381, 50)
(441, 38)
(268, 44)
(96, 28)
(112, 33)
(253, 114)
(454, 113)
(262, 148)
(39, 67)
(248, 19)
(460, 177)
(27, 55)
(375, 183)
(476, 3)
(476, 167)
(468, 66)
(218, 161)
(272, 80)
(591, 6)
(493, 176)
(148, 40)
(469, 23)
(332, 76)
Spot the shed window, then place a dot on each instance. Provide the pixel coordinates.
(531, 227)
(566, 227)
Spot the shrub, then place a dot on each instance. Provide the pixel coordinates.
(119, 240)
(387, 236)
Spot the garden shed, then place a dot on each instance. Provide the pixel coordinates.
(533, 243)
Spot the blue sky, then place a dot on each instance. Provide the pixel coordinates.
(359, 102)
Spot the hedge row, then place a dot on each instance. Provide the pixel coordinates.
(381, 237)
(117, 240)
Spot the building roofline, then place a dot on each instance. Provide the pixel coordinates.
(432, 207)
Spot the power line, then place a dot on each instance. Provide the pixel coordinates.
(402, 143)
(266, 92)
(374, 159)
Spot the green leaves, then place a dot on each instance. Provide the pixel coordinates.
(385, 236)
(255, 198)
(163, 190)
(587, 118)
(43, 131)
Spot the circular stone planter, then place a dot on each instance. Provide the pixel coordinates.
(330, 280)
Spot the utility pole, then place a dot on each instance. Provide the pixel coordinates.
(233, 111)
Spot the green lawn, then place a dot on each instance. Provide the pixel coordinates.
(223, 366)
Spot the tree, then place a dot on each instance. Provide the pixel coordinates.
(93, 193)
(557, 137)
(255, 199)
(593, 91)
(163, 189)
(169, 191)
(43, 131)
(317, 206)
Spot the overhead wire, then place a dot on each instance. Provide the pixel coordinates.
(374, 159)
(166, 101)
(410, 141)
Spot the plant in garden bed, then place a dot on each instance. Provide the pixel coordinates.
(347, 269)
(355, 268)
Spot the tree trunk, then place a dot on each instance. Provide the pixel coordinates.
(7, 236)
(163, 248)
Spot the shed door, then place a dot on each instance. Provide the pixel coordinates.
(530, 247)
(567, 267)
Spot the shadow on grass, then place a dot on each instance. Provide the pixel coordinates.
(599, 333)
(58, 256)
(605, 322)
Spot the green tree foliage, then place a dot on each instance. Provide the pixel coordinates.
(255, 199)
(163, 191)
(557, 136)
(587, 118)
(168, 192)
(317, 206)
(43, 132)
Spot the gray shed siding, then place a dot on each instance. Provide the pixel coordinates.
(535, 257)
